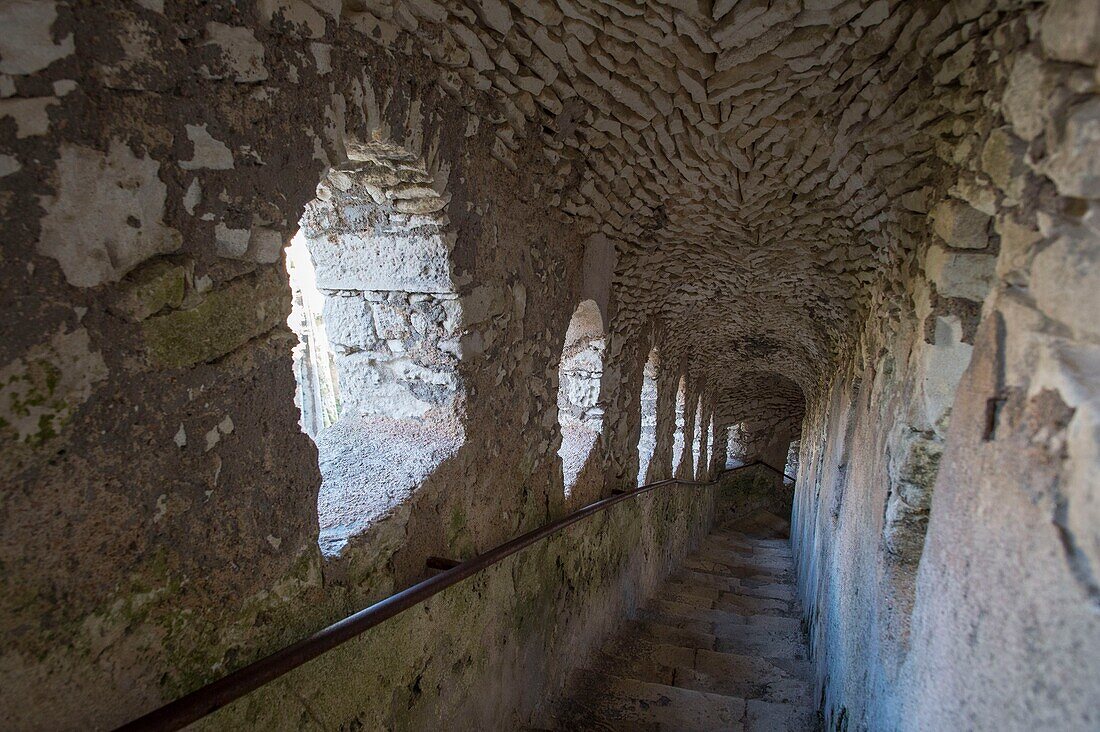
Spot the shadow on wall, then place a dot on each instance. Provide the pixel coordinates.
(580, 413)
(743, 492)
(378, 318)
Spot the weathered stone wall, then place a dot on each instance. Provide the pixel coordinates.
(742, 492)
(160, 521)
(945, 517)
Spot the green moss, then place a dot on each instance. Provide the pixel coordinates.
(221, 323)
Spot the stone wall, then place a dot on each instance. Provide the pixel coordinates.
(161, 525)
(945, 517)
(742, 492)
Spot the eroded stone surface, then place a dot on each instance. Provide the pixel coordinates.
(870, 225)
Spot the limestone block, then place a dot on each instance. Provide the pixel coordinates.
(1074, 160)
(1030, 86)
(382, 259)
(223, 321)
(151, 288)
(27, 44)
(240, 53)
(348, 321)
(391, 320)
(1063, 281)
(128, 198)
(960, 274)
(362, 393)
(961, 225)
(1003, 160)
(942, 365)
(1071, 31)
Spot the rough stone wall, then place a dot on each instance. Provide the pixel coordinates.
(160, 524)
(742, 492)
(945, 516)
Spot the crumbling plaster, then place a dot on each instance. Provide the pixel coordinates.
(943, 552)
(801, 205)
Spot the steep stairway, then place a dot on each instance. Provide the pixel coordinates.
(720, 647)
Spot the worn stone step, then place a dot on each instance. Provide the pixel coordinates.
(777, 550)
(762, 716)
(730, 602)
(741, 558)
(746, 587)
(740, 570)
(752, 640)
(727, 582)
(682, 607)
(740, 555)
(607, 702)
(730, 674)
(732, 585)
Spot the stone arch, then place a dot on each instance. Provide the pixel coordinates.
(679, 443)
(647, 398)
(380, 246)
(580, 371)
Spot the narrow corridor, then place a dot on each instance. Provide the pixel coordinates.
(720, 647)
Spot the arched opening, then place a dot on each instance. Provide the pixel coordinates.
(735, 445)
(678, 436)
(318, 385)
(707, 459)
(580, 415)
(698, 439)
(647, 437)
(377, 314)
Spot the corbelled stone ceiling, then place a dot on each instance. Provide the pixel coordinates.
(750, 159)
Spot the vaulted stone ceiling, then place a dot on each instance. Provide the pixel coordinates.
(751, 159)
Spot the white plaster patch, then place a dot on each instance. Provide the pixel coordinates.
(40, 391)
(27, 44)
(127, 226)
(181, 437)
(242, 54)
(193, 196)
(322, 57)
(61, 87)
(231, 243)
(212, 438)
(209, 153)
(9, 165)
(31, 115)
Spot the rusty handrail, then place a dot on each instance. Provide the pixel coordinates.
(769, 466)
(207, 699)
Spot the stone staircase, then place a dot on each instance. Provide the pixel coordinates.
(720, 647)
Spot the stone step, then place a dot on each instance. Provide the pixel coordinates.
(761, 589)
(742, 554)
(680, 608)
(734, 637)
(773, 680)
(740, 570)
(719, 647)
(733, 585)
(607, 702)
(778, 551)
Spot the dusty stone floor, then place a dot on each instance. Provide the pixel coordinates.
(720, 647)
(370, 465)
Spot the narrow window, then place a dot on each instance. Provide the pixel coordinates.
(647, 439)
(375, 307)
(678, 438)
(580, 414)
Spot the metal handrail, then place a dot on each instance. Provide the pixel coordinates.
(207, 699)
(769, 466)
